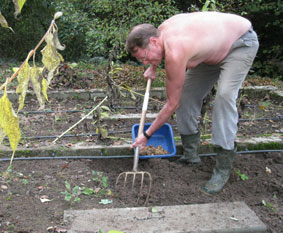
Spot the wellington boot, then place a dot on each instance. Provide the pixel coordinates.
(191, 145)
(221, 172)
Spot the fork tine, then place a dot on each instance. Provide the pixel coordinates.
(125, 180)
(134, 179)
(134, 174)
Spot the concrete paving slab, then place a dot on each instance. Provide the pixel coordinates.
(228, 217)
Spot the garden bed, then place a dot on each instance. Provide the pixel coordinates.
(32, 195)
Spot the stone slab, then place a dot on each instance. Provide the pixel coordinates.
(227, 217)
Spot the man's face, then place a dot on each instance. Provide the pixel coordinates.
(149, 55)
(142, 55)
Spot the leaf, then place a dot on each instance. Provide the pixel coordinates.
(67, 185)
(87, 191)
(68, 196)
(2, 135)
(76, 190)
(4, 23)
(23, 79)
(56, 41)
(105, 108)
(104, 115)
(154, 210)
(44, 88)
(18, 6)
(105, 201)
(104, 133)
(21, 4)
(34, 76)
(50, 57)
(9, 121)
(104, 181)
(58, 15)
(44, 198)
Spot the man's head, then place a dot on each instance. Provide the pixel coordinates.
(139, 37)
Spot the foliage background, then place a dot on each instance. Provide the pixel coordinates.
(90, 29)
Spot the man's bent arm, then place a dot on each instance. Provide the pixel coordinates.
(175, 70)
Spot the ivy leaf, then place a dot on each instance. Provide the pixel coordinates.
(23, 79)
(9, 121)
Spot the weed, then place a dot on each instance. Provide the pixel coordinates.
(268, 205)
(8, 198)
(101, 188)
(241, 175)
(25, 181)
(71, 195)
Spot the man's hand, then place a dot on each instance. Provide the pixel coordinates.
(140, 142)
(150, 73)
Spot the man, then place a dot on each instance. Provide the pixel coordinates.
(200, 49)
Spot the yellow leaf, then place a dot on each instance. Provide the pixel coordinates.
(21, 4)
(2, 135)
(56, 41)
(4, 23)
(18, 6)
(104, 133)
(15, 69)
(44, 88)
(34, 76)
(9, 121)
(50, 57)
(23, 79)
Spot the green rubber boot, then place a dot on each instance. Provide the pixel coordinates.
(222, 170)
(191, 145)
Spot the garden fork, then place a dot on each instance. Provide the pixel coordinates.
(135, 172)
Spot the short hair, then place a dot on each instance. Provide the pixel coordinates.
(139, 36)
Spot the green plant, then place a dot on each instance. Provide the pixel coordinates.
(100, 179)
(241, 175)
(8, 197)
(95, 26)
(268, 205)
(101, 113)
(71, 194)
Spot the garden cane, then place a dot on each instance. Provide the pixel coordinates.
(135, 171)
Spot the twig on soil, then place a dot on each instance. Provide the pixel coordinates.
(80, 120)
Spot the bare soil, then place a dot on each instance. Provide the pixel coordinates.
(32, 194)
(23, 192)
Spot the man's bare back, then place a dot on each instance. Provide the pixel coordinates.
(202, 37)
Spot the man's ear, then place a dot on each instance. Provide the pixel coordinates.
(153, 40)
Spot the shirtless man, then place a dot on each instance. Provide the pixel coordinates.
(200, 49)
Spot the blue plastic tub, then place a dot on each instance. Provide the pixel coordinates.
(163, 137)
